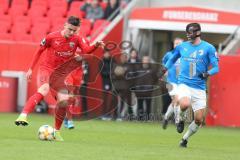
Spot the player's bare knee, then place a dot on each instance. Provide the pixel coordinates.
(44, 89)
(184, 105)
(198, 121)
(63, 103)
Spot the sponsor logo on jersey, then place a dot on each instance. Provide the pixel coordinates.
(43, 42)
(64, 54)
(201, 52)
(57, 43)
(71, 44)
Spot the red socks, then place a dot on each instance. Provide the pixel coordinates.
(60, 113)
(32, 102)
(69, 112)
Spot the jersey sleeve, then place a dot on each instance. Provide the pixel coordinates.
(176, 54)
(213, 58)
(45, 43)
(85, 46)
(165, 58)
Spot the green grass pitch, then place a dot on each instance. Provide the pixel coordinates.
(101, 140)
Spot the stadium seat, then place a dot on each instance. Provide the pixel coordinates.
(21, 27)
(4, 7)
(100, 24)
(18, 7)
(19, 2)
(23, 37)
(57, 3)
(5, 26)
(75, 9)
(39, 21)
(39, 31)
(56, 12)
(84, 31)
(103, 5)
(85, 28)
(40, 3)
(6, 18)
(22, 21)
(57, 24)
(6, 36)
(86, 22)
(37, 11)
(98, 27)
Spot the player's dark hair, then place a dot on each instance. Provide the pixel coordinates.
(196, 26)
(73, 20)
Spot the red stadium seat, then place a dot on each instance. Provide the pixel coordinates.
(23, 37)
(21, 27)
(4, 7)
(77, 4)
(23, 21)
(75, 12)
(85, 30)
(57, 24)
(40, 3)
(5, 26)
(103, 5)
(57, 3)
(41, 22)
(18, 9)
(6, 18)
(100, 23)
(40, 31)
(37, 11)
(19, 2)
(38, 8)
(6, 36)
(56, 12)
(98, 27)
(86, 22)
(75, 9)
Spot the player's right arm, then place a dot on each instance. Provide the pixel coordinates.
(165, 58)
(171, 61)
(44, 44)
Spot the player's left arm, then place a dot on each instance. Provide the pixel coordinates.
(213, 58)
(86, 47)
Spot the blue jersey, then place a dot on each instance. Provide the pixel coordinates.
(174, 70)
(194, 60)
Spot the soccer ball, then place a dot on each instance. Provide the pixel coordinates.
(46, 132)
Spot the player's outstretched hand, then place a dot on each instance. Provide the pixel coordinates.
(78, 58)
(204, 75)
(163, 71)
(100, 44)
(29, 74)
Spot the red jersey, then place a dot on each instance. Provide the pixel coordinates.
(59, 49)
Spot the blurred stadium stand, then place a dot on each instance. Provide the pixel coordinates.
(21, 20)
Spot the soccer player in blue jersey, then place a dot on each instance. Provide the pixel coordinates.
(172, 75)
(198, 60)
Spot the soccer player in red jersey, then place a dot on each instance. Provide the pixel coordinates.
(61, 47)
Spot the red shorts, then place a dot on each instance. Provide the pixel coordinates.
(75, 77)
(43, 75)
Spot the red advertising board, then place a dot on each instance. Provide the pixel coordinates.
(8, 94)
